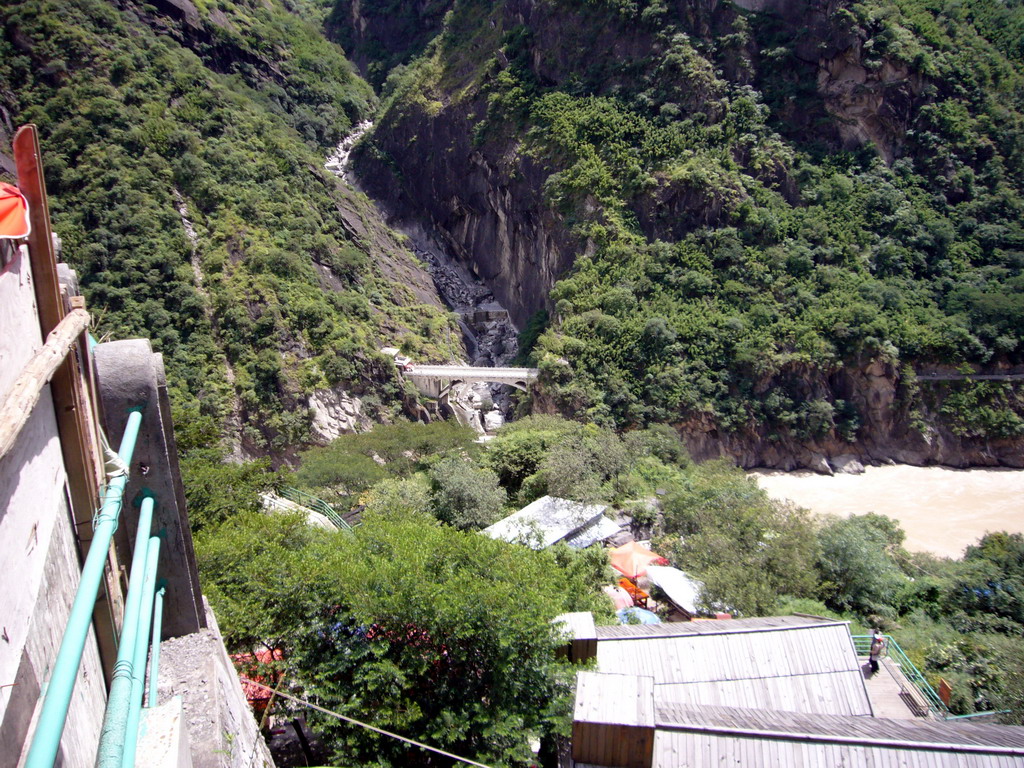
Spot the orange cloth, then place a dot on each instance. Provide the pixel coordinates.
(638, 595)
(14, 223)
(632, 559)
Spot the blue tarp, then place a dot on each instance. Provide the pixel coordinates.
(636, 615)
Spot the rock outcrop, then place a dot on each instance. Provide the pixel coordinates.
(336, 413)
(438, 161)
(484, 204)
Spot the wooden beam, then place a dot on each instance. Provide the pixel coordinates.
(40, 242)
(74, 408)
(28, 387)
(69, 398)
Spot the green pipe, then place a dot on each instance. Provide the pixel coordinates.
(115, 719)
(57, 699)
(154, 659)
(131, 735)
(989, 713)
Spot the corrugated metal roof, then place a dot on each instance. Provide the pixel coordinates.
(545, 521)
(811, 668)
(599, 530)
(688, 658)
(863, 730)
(837, 693)
(724, 626)
(689, 736)
(614, 699)
(578, 625)
(700, 750)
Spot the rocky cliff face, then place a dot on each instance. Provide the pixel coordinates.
(482, 192)
(485, 204)
(900, 424)
(379, 36)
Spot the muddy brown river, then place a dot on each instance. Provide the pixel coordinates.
(942, 510)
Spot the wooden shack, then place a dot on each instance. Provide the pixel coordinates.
(613, 720)
(582, 636)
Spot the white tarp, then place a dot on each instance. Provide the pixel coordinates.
(545, 521)
(681, 589)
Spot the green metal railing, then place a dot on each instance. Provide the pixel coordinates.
(57, 699)
(118, 738)
(862, 643)
(115, 719)
(309, 501)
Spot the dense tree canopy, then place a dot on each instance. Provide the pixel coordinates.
(751, 229)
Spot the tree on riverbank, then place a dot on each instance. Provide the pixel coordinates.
(361, 614)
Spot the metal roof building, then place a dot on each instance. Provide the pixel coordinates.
(549, 520)
(687, 736)
(776, 691)
(789, 663)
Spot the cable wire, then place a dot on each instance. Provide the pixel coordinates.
(340, 716)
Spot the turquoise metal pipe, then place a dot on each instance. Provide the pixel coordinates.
(154, 659)
(131, 734)
(115, 719)
(57, 699)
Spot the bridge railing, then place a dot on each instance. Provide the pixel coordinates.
(862, 643)
(309, 501)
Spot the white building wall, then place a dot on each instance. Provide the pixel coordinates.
(38, 558)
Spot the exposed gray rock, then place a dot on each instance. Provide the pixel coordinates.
(336, 413)
(819, 464)
(847, 464)
(222, 731)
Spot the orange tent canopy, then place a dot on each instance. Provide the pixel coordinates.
(632, 559)
(14, 223)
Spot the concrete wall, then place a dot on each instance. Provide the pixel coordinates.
(38, 556)
(222, 730)
(130, 375)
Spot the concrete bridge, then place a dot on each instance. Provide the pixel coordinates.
(435, 380)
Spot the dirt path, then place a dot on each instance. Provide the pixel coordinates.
(942, 510)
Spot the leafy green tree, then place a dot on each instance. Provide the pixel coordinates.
(441, 635)
(261, 576)
(991, 581)
(406, 497)
(856, 570)
(465, 496)
(747, 549)
(216, 490)
(518, 449)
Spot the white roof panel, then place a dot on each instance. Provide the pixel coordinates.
(599, 530)
(811, 668)
(545, 521)
(681, 589)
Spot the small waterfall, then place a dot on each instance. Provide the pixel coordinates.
(338, 161)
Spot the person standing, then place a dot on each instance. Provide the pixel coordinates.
(876, 651)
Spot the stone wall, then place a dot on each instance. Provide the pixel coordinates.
(222, 731)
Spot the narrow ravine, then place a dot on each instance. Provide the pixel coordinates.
(491, 339)
(234, 420)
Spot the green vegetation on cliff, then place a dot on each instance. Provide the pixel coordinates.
(222, 115)
(763, 205)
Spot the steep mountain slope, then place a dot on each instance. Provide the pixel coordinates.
(184, 148)
(756, 221)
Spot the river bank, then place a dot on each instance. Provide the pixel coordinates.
(942, 510)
